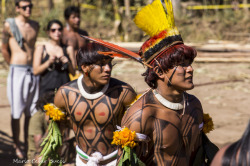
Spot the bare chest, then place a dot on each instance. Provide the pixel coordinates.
(29, 34)
(74, 39)
(173, 131)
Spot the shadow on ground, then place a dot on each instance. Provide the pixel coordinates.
(7, 155)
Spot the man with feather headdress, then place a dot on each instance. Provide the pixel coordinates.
(171, 118)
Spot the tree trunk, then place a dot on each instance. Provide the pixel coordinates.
(177, 7)
(127, 21)
(50, 5)
(246, 8)
(127, 8)
(117, 22)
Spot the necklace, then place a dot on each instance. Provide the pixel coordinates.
(88, 95)
(168, 104)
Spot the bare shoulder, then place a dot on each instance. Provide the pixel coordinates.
(194, 101)
(138, 115)
(40, 47)
(83, 32)
(6, 24)
(34, 24)
(6, 27)
(115, 83)
(69, 49)
(63, 90)
(217, 161)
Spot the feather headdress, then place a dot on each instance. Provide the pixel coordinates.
(157, 20)
(117, 51)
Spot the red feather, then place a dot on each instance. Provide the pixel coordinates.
(112, 54)
(119, 50)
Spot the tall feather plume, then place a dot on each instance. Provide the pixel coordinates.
(157, 17)
(118, 51)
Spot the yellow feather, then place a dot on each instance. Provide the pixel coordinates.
(156, 17)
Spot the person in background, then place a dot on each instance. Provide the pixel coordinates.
(18, 41)
(38, 128)
(236, 154)
(72, 31)
(53, 61)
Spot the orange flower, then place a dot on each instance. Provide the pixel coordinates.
(125, 137)
(54, 112)
(208, 123)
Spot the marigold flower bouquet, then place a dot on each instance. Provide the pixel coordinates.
(53, 140)
(126, 139)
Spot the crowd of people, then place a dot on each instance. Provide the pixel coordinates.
(167, 120)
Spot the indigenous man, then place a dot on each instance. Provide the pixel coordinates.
(19, 37)
(95, 103)
(72, 32)
(169, 116)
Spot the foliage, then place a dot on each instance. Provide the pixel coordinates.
(195, 26)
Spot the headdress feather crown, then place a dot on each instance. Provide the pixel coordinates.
(157, 20)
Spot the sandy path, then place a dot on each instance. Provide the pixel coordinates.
(224, 93)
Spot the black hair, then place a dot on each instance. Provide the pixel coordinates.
(45, 98)
(70, 10)
(88, 54)
(238, 154)
(51, 22)
(168, 60)
(17, 2)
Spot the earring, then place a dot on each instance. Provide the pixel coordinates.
(86, 74)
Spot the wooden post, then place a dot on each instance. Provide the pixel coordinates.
(3, 8)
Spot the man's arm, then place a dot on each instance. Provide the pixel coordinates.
(60, 103)
(59, 100)
(5, 42)
(130, 96)
(132, 120)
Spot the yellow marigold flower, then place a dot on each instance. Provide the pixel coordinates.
(125, 137)
(54, 112)
(208, 123)
(136, 98)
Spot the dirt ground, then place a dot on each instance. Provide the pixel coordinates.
(223, 89)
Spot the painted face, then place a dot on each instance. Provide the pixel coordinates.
(100, 72)
(55, 32)
(24, 8)
(74, 20)
(182, 78)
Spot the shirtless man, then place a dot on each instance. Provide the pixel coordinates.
(169, 116)
(95, 103)
(19, 37)
(72, 31)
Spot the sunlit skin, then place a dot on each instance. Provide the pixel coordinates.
(174, 134)
(72, 32)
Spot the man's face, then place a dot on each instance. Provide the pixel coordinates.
(183, 76)
(100, 72)
(24, 8)
(74, 20)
